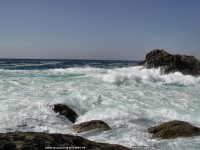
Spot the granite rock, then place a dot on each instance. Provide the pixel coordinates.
(187, 65)
(174, 129)
(66, 111)
(42, 141)
(91, 125)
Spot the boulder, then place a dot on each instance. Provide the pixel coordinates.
(41, 141)
(169, 63)
(90, 125)
(174, 129)
(66, 111)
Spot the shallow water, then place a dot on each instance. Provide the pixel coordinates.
(129, 99)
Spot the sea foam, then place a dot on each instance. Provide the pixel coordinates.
(128, 99)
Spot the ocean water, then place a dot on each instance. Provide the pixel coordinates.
(128, 98)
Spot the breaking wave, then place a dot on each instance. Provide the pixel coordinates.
(129, 99)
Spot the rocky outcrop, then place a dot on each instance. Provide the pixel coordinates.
(42, 141)
(174, 129)
(65, 111)
(91, 125)
(169, 63)
(82, 127)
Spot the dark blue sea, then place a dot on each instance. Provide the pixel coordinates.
(41, 64)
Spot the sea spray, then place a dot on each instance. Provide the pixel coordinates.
(129, 99)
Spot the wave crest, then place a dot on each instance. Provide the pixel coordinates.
(152, 76)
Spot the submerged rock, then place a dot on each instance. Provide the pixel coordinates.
(41, 141)
(65, 111)
(90, 125)
(169, 63)
(174, 129)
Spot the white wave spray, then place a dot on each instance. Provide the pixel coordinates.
(129, 99)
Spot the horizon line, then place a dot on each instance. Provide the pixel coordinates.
(69, 59)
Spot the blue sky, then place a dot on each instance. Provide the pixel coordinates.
(98, 29)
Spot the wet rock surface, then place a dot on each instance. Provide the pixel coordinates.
(41, 141)
(174, 129)
(169, 63)
(91, 125)
(66, 111)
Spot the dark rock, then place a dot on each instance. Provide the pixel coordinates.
(90, 125)
(9, 146)
(174, 129)
(39, 140)
(169, 63)
(65, 111)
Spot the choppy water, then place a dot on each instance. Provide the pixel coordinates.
(129, 99)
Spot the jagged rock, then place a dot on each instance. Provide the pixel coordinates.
(39, 140)
(169, 63)
(174, 129)
(90, 125)
(65, 111)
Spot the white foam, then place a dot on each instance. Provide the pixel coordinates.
(129, 100)
(139, 75)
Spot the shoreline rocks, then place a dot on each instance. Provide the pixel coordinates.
(91, 125)
(66, 111)
(174, 129)
(40, 141)
(187, 65)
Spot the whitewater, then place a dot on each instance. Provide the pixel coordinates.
(130, 99)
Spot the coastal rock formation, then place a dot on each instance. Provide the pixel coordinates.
(65, 111)
(169, 63)
(90, 125)
(41, 141)
(174, 129)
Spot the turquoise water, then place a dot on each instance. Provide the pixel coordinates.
(129, 99)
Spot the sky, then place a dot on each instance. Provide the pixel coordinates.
(98, 29)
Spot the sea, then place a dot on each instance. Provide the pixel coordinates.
(129, 98)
